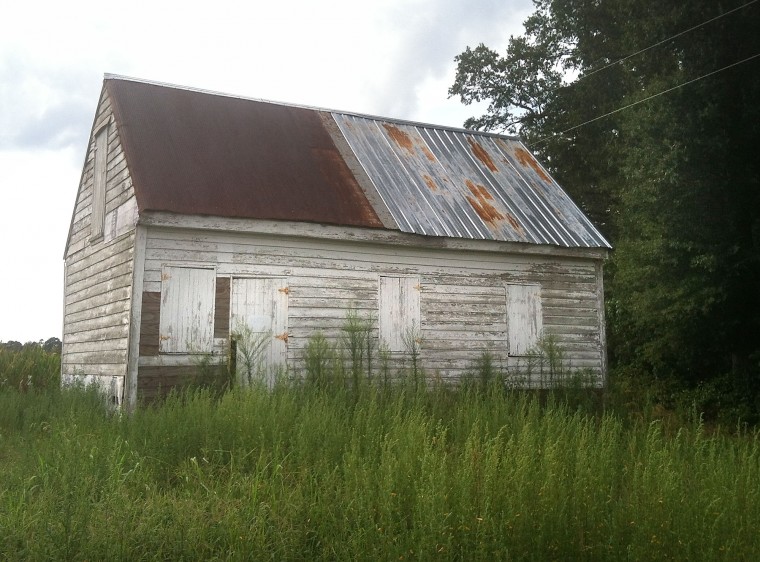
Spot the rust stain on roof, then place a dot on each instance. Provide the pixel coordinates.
(406, 142)
(481, 154)
(430, 182)
(480, 203)
(526, 159)
(514, 224)
(478, 190)
(399, 136)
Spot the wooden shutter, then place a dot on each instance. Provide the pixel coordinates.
(524, 317)
(399, 311)
(187, 310)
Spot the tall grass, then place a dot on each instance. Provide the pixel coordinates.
(312, 471)
(29, 367)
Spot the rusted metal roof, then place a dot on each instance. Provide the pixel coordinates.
(202, 153)
(450, 182)
(198, 153)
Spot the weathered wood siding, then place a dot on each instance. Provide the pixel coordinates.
(98, 271)
(463, 303)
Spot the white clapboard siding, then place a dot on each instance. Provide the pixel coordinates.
(259, 313)
(99, 260)
(524, 318)
(187, 310)
(462, 301)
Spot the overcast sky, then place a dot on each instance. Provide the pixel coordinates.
(389, 58)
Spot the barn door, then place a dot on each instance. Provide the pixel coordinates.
(259, 314)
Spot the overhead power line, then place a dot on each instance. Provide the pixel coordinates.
(684, 32)
(541, 141)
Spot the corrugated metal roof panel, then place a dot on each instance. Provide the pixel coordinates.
(441, 182)
(199, 153)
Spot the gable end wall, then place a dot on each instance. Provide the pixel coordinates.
(98, 274)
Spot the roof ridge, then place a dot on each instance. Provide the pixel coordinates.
(110, 76)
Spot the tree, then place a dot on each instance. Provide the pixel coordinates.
(12, 345)
(52, 345)
(672, 179)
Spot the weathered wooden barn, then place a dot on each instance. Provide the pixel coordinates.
(200, 212)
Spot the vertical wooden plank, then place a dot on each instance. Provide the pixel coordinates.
(97, 213)
(524, 317)
(280, 294)
(170, 298)
(186, 323)
(387, 313)
(410, 297)
(135, 317)
(149, 323)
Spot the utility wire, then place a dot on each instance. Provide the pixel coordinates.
(541, 141)
(620, 61)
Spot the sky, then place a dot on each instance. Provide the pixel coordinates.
(391, 58)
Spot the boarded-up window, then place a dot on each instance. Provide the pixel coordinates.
(187, 310)
(524, 317)
(399, 314)
(97, 216)
(260, 315)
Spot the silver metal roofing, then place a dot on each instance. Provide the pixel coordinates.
(439, 181)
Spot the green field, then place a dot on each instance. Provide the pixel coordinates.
(319, 471)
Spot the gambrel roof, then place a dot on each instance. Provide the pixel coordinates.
(202, 153)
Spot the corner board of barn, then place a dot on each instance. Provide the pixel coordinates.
(206, 223)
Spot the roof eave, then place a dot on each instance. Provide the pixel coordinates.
(366, 235)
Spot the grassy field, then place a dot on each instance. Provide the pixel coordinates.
(320, 472)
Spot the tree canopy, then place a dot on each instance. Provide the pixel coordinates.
(647, 113)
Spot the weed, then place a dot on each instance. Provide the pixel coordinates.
(357, 342)
(413, 345)
(318, 356)
(252, 349)
(294, 472)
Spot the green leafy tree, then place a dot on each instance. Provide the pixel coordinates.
(52, 345)
(670, 173)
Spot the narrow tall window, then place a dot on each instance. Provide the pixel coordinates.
(399, 315)
(187, 310)
(524, 317)
(97, 217)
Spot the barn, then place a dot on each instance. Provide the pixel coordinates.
(201, 214)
